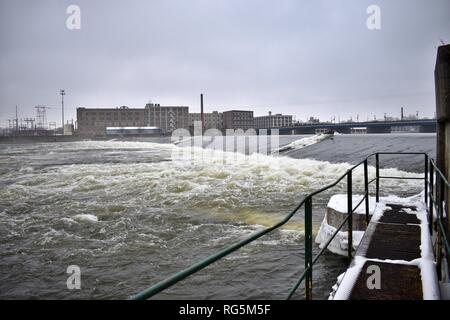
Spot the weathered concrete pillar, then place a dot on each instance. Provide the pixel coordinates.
(442, 82)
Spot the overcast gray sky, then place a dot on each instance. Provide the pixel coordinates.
(306, 58)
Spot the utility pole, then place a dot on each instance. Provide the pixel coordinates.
(202, 116)
(62, 93)
(17, 121)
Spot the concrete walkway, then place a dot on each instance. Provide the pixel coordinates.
(394, 260)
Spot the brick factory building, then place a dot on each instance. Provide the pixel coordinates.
(93, 122)
(213, 120)
(238, 119)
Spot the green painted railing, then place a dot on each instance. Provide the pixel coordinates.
(438, 201)
(435, 187)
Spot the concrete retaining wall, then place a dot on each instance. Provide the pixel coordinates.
(336, 218)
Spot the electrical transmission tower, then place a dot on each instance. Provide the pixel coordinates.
(41, 117)
(29, 123)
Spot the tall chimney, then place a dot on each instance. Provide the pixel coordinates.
(202, 116)
(401, 114)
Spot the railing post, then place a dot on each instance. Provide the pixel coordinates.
(308, 248)
(377, 181)
(432, 194)
(439, 196)
(440, 213)
(349, 212)
(438, 255)
(426, 179)
(366, 190)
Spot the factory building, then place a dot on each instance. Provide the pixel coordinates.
(273, 121)
(212, 120)
(167, 118)
(238, 119)
(93, 122)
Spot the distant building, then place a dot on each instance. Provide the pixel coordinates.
(313, 120)
(167, 118)
(91, 122)
(213, 120)
(238, 119)
(273, 121)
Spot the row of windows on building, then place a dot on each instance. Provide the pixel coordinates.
(116, 124)
(170, 118)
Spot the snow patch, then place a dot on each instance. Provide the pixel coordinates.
(338, 202)
(348, 280)
(339, 244)
(304, 142)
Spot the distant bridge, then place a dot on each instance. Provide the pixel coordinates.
(424, 125)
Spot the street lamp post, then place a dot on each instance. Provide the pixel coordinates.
(62, 93)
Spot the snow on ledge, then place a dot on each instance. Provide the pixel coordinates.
(339, 244)
(338, 202)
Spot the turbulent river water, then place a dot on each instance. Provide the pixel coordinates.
(129, 214)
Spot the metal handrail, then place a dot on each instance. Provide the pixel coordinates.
(438, 189)
(307, 201)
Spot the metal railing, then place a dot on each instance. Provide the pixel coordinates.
(433, 199)
(438, 201)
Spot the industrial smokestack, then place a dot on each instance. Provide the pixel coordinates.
(202, 116)
(401, 114)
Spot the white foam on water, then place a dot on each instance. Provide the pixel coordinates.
(111, 144)
(211, 182)
(85, 218)
(68, 220)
